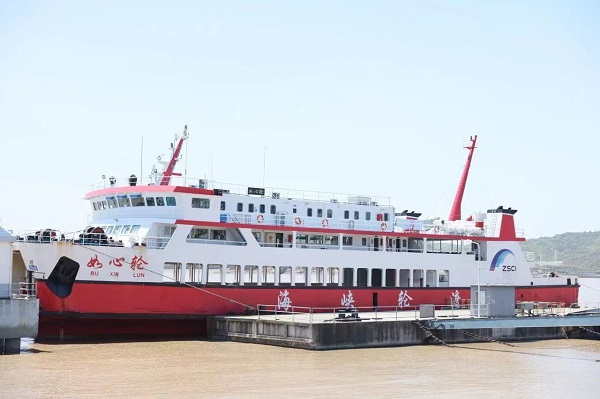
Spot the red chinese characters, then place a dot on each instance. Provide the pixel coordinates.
(117, 262)
(138, 263)
(94, 262)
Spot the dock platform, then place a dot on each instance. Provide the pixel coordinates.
(344, 329)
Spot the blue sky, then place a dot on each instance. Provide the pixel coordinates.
(371, 98)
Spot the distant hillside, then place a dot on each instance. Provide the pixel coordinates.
(579, 252)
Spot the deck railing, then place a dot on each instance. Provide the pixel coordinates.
(23, 291)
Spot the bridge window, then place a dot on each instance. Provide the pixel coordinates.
(171, 201)
(137, 201)
(203, 203)
(123, 202)
(160, 201)
(149, 201)
(134, 229)
(199, 233)
(218, 234)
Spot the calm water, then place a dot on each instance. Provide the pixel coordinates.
(562, 368)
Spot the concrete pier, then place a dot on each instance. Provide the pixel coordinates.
(383, 329)
(19, 307)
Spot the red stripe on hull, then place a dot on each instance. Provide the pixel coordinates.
(140, 310)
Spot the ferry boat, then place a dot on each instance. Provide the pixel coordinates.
(161, 255)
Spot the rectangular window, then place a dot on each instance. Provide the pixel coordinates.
(218, 234)
(203, 203)
(347, 241)
(137, 201)
(364, 241)
(250, 208)
(319, 213)
(171, 201)
(309, 212)
(124, 202)
(222, 205)
(240, 207)
(134, 229)
(149, 201)
(273, 209)
(367, 215)
(160, 201)
(346, 214)
(386, 217)
(118, 229)
(294, 210)
(126, 229)
(94, 204)
(261, 208)
(197, 233)
(329, 213)
(356, 215)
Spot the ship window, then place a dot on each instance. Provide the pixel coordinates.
(203, 203)
(261, 208)
(240, 207)
(199, 233)
(404, 278)
(273, 209)
(167, 231)
(118, 229)
(214, 273)
(364, 241)
(346, 214)
(160, 201)
(347, 241)
(356, 215)
(171, 201)
(218, 234)
(367, 215)
(94, 205)
(126, 229)
(319, 213)
(294, 210)
(268, 275)
(193, 272)
(332, 240)
(333, 275)
(386, 217)
(171, 272)
(149, 201)
(301, 276)
(329, 213)
(317, 275)
(250, 208)
(285, 275)
(112, 203)
(139, 201)
(134, 229)
(222, 205)
(109, 230)
(232, 274)
(309, 212)
(250, 274)
(123, 202)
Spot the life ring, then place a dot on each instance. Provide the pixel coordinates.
(297, 220)
(325, 223)
(436, 229)
(384, 226)
(260, 218)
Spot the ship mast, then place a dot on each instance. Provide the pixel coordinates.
(455, 212)
(169, 171)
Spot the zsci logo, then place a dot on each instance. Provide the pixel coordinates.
(500, 257)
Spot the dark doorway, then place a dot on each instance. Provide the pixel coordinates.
(279, 239)
(376, 244)
(374, 301)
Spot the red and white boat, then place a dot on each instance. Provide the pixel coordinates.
(159, 257)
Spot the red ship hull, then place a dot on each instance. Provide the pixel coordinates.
(108, 311)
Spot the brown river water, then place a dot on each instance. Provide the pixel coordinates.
(198, 369)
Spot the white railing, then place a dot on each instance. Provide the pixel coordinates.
(364, 313)
(241, 189)
(216, 242)
(23, 290)
(94, 239)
